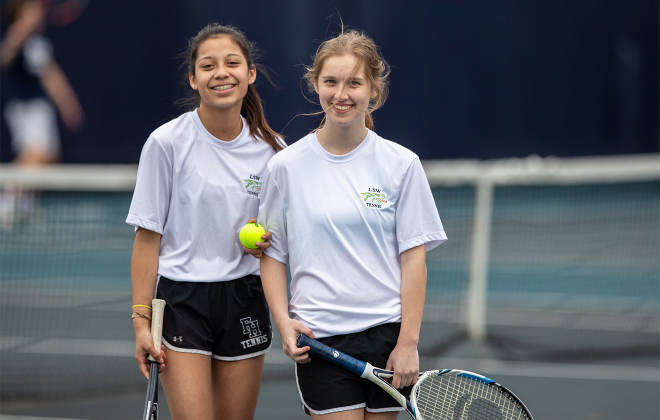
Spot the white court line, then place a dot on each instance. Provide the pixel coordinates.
(114, 348)
(547, 370)
(8, 417)
(82, 347)
(525, 369)
(88, 347)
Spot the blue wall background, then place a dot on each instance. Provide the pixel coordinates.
(475, 78)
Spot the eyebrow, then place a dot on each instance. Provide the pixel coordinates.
(326, 76)
(228, 55)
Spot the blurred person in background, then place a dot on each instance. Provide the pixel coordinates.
(36, 85)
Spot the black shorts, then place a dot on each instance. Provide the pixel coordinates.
(227, 320)
(326, 388)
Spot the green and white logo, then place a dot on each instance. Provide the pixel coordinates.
(374, 198)
(253, 185)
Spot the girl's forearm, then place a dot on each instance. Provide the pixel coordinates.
(144, 266)
(274, 280)
(413, 293)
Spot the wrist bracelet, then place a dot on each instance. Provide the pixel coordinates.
(142, 306)
(140, 315)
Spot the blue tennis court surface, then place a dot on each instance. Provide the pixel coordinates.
(574, 278)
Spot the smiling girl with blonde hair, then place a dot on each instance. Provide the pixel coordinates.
(353, 216)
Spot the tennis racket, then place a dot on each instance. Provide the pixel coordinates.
(438, 394)
(151, 403)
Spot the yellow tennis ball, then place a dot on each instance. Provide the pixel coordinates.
(251, 233)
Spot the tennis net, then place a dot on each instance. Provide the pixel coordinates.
(65, 281)
(555, 258)
(548, 259)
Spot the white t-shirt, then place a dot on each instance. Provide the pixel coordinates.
(341, 223)
(198, 191)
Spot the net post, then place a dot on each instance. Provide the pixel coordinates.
(475, 300)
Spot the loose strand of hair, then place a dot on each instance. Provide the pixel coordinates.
(369, 121)
(253, 112)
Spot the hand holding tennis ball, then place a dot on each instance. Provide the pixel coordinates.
(251, 234)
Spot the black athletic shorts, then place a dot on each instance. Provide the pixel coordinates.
(227, 320)
(326, 388)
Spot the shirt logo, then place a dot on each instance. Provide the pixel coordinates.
(251, 329)
(253, 185)
(374, 198)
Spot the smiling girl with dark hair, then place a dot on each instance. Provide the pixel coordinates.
(199, 179)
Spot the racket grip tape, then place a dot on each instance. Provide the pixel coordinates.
(157, 311)
(332, 355)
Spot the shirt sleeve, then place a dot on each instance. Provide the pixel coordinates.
(38, 54)
(417, 218)
(272, 215)
(153, 189)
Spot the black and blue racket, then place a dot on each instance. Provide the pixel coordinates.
(438, 394)
(151, 402)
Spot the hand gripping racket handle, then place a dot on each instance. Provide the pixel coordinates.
(333, 356)
(157, 311)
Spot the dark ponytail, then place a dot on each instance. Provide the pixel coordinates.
(252, 108)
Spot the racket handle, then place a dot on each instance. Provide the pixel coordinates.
(157, 311)
(332, 355)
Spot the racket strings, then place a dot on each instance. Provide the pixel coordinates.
(452, 397)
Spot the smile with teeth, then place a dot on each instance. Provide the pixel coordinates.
(223, 87)
(342, 107)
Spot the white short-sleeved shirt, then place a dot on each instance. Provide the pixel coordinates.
(198, 191)
(341, 223)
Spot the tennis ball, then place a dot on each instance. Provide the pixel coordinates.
(251, 233)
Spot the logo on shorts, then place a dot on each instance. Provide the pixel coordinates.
(253, 185)
(335, 354)
(177, 339)
(251, 329)
(374, 198)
